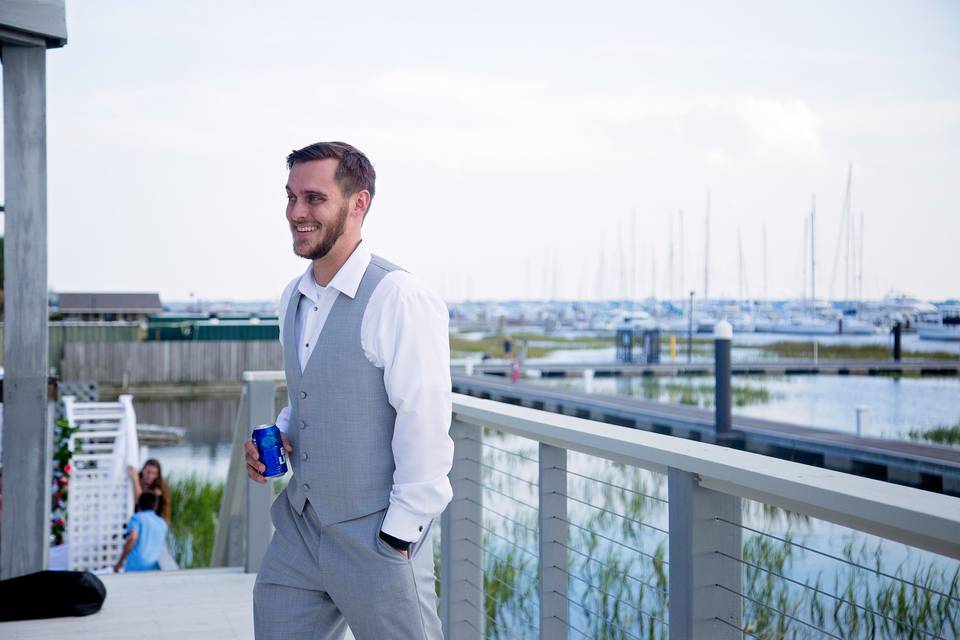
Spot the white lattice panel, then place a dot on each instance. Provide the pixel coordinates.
(101, 500)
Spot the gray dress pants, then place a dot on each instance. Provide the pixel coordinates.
(316, 579)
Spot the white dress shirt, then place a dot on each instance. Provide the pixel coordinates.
(404, 332)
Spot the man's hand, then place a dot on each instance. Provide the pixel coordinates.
(255, 468)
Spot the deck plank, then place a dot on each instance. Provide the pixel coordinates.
(168, 605)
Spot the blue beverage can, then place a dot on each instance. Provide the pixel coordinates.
(269, 445)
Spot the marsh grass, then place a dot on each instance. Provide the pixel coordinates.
(538, 345)
(701, 394)
(804, 349)
(194, 505)
(938, 435)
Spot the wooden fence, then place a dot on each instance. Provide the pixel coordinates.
(188, 362)
(64, 332)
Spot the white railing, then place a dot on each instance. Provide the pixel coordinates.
(705, 489)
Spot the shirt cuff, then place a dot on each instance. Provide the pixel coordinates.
(403, 524)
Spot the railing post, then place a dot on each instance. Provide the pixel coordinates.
(697, 540)
(461, 539)
(554, 535)
(260, 410)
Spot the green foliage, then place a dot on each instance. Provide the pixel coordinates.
(938, 435)
(538, 345)
(700, 394)
(194, 505)
(804, 349)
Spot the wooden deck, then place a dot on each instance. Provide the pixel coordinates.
(162, 605)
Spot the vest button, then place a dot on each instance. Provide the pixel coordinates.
(306, 487)
(303, 424)
(303, 395)
(304, 456)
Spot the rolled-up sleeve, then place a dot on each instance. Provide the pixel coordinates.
(406, 332)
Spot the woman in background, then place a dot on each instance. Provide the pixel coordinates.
(150, 478)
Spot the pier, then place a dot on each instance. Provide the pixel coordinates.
(753, 368)
(913, 464)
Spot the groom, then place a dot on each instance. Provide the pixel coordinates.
(366, 354)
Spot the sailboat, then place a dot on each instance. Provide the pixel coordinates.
(812, 316)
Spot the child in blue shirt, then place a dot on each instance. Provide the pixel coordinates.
(146, 536)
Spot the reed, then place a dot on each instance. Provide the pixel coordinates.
(194, 505)
(938, 435)
(804, 349)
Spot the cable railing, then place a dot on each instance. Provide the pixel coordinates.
(562, 527)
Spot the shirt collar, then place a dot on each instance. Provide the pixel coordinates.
(346, 280)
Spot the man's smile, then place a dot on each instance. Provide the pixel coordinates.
(304, 230)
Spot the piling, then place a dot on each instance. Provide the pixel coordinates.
(897, 330)
(722, 340)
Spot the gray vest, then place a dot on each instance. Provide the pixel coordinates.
(341, 422)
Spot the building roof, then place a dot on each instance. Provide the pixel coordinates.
(33, 23)
(110, 303)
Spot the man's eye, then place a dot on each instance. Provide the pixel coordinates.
(290, 197)
(316, 199)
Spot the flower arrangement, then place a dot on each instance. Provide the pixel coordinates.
(61, 480)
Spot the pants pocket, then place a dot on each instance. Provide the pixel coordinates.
(424, 538)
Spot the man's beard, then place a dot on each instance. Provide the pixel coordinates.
(329, 236)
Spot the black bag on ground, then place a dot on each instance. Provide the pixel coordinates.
(51, 594)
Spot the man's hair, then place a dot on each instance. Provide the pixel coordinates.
(147, 501)
(354, 172)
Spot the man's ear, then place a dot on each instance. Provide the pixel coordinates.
(361, 203)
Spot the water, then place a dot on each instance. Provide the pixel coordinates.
(746, 347)
(896, 405)
(205, 449)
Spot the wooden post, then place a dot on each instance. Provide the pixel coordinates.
(27, 432)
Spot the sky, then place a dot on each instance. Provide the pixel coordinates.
(523, 150)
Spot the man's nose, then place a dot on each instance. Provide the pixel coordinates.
(297, 211)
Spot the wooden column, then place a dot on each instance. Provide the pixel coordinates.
(27, 437)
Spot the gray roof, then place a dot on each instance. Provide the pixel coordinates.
(33, 22)
(110, 303)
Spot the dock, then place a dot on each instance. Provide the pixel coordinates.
(755, 368)
(924, 466)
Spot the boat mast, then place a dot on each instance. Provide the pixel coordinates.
(813, 245)
(670, 263)
(706, 252)
(764, 229)
(860, 257)
(634, 293)
(743, 288)
(682, 279)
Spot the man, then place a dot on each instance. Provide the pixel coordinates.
(366, 426)
(146, 537)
